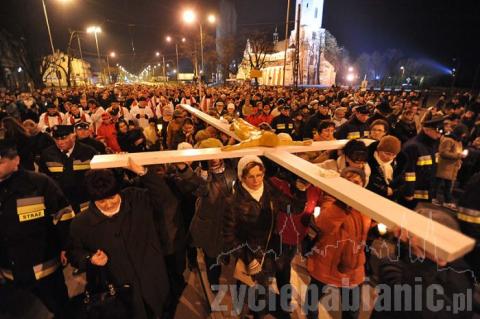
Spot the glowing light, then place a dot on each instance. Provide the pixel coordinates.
(113, 54)
(350, 69)
(157, 53)
(211, 19)
(94, 29)
(350, 77)
(189, 16)
(168, 38)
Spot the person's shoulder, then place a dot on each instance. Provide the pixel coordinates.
(49, 151)
(85, 148)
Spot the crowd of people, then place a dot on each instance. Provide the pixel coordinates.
(141, 227)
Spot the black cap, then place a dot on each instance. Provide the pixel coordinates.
(362, 109)
(435, 122)
(280, 101)
(82, 125)
(7, 148)
(285, 107)
(142, 98)
(59, 131)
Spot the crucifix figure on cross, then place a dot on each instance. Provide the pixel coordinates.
(438, 240)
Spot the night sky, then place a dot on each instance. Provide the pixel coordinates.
(437, 30)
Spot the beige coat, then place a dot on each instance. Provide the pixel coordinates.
(450, 158)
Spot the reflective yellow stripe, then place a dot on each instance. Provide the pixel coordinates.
(468, 218)
(46, 269)
(30, 216)
(280, 126)
(353, 135)
(55, 169)
(366, 133)
(410, 177)
(41, 271)
(421, 195)
(81, 167)
(424, 160)
(84, 206)
(30, 208)
(67, 216)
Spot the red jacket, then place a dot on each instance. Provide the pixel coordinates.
(289, 226)
(339, 255)
(108, 133)
(267, 118)
(253, 119)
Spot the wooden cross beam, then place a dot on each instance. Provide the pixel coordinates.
(439, 240)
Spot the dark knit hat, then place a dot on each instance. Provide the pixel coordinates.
(390, 144)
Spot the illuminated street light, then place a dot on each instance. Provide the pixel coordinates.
(113, 54)
(95, 30)
(183, 40)
(168, 38)
(157, 54)
(189, 16)
(211, 18)
(350, 77)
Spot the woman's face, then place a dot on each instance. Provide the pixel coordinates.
(109, 204)
(327, 134)
(355, 178)
(254, 178)
(123, 127)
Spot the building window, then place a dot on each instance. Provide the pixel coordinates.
(316, 13)
(307, 5)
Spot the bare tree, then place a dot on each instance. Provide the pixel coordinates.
(259, 45)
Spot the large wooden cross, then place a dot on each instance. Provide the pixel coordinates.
(439, 240)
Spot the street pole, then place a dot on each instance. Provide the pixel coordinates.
(201, 48)
(286, 42)
(83, 62)
(163, 60)
(48, 26)
(108, 68)
(98, 55)
(176, 51)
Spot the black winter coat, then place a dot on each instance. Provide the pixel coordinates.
(352, 129)
(34, 221)
(130, 241)
(247, 225)
(206, 228)
(377, 183)
(404, 131)
(69, 172)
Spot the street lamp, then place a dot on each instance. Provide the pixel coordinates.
(169, 40)
(112, 55)
(95, 30)
(190, 17)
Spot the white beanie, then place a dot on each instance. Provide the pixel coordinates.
(184, 146)
(244, 161)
